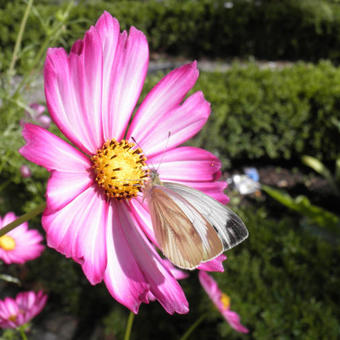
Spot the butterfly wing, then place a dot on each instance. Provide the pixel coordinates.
(184, 235)
(229, 227)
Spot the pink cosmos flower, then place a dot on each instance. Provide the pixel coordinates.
(18, 311)
(20, 244)
(95, 212)
(221, 301)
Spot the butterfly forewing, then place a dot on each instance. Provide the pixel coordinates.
(184, 235)
(229, 227)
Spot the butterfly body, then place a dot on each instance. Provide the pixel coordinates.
(190, 226)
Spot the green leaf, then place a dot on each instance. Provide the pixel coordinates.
(302, 205)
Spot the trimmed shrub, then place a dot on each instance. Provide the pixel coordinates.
(266, 114)
(287, 29)
(272, 114)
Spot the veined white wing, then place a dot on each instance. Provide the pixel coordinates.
(229, 227)
(190, 226)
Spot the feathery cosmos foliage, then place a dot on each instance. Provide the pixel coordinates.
(95, 212)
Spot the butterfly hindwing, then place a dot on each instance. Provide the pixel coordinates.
(185, 236)
(229, 227)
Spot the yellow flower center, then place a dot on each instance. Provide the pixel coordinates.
(13, 318)
(120, 169)
(225, 299)
(7, 242)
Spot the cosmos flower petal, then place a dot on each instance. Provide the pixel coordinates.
(163, 285)
(109, 33)
(8, 218)
(51, 152)
(196, 165)
(210, 286)
(78, 231)
(178, 274)
(128, 74)
(234, 321)
(214, 189)
(63, 187)
(176, 126)
(91, 80)
(200, 169)
(123, 277)
(140, 211)
(166, 96)
(215, 265)
(215, 294)
(73, 88)
(65, 84)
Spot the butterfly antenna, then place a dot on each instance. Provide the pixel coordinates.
(164, 151)
(134, 140)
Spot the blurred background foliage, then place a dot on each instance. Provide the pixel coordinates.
(265, 29)
(284, 280)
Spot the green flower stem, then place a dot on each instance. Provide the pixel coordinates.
(129, 326)
(39, 209)
(19, 38)
(22, 333)
(193, 327)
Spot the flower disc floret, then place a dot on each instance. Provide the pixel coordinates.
(7, 242)
(120, 169)
(225, 300)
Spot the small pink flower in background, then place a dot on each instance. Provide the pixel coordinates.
(36, 115)
(221, 301)
(95, 212)
(18, 311)
(25, 171)
(20, 244)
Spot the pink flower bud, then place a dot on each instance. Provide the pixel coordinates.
(25, 171)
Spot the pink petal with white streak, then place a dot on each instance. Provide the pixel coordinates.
(126, 59)
(78, 231)
(123, 277)
(51, 152)
(176, 126)
(166, 96)
(63, 187)
(214, 189)
(186, 164)
(178, 274)
(140, 211)
(65, 86)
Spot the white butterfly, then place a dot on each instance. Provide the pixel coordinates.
(190, 226)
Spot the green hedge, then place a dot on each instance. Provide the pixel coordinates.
(265, 114)
(272, 114)
(287, 29)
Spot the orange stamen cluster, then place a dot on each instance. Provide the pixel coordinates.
(120, 169)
